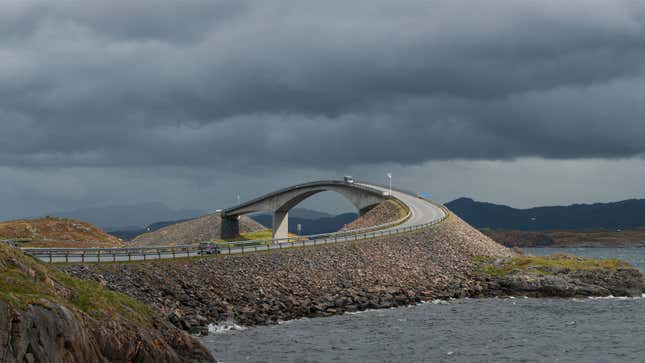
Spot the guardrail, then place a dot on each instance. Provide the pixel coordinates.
(83, 255)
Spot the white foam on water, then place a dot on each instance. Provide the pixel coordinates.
(612, 297)
(224, 327)
(281, 322)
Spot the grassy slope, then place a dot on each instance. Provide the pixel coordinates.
(25, 281)
(56, 232)
(545, 264)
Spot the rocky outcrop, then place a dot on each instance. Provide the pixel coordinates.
(264, 288)
(385, 212)
(47, 316)
(556, 276)
(196, 230)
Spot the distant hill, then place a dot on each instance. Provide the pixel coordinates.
(204, 228)
(130, 232)
(127, 217)
(627, 214)
(56, 232)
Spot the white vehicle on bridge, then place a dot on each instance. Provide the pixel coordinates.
(349, 179)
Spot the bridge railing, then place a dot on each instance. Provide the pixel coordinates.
(121, 254)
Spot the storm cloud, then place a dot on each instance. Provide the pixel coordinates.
(230, 85)
(322, 84)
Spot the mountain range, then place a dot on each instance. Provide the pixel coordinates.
(626, 214)
(128, 221)
(126, 217)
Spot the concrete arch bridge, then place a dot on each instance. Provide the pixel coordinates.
(279, 202)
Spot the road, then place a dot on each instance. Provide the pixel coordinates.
(422, 213)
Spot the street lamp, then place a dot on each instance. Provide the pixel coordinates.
(389, 177)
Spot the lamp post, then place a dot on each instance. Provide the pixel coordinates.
(389, 178)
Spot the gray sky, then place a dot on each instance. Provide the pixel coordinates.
(192, 102)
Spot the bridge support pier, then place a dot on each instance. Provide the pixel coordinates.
(280, 224)
(230, 227)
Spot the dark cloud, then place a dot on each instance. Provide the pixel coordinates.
(219, 84)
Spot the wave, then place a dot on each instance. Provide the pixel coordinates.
(225, 327)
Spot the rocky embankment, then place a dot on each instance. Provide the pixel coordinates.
(264, 288)
(200, 229)
(555, 276)
(385, 212)
(48, 316)
(448, 260)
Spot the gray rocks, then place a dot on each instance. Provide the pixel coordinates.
(563, 283)
(265, 288)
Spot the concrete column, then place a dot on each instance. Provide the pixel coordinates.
(280, 224)
(230, 227)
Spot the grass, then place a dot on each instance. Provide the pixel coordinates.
(24, 281)
(402, 208)
(266, 234)
(545, 264)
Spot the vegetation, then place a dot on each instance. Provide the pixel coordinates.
(544, 264)
(266, 234)
(557, 238)
(23, 281)
(56, 232)
(401, 208)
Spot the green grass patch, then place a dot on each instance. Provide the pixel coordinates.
(264, 234)
(24, 281)
(545, 264)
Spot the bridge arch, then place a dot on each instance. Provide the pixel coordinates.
(281, 201)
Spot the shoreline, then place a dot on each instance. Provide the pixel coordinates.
(325, 280)
(224, 327)
(263, 289)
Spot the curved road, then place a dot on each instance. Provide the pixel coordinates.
(422, 213)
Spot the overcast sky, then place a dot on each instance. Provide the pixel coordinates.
(193, 102)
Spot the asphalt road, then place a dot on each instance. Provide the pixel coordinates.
(422, 212)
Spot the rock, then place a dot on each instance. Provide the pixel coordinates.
(293, 283)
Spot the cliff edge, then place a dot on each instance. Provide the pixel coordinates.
(48, 316)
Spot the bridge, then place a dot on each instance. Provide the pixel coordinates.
(422, 214)
(279, 202)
